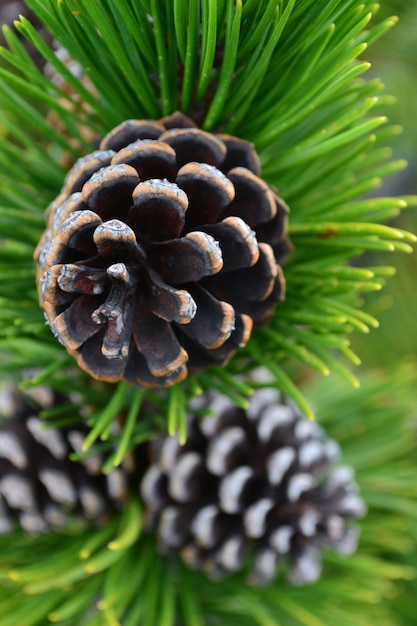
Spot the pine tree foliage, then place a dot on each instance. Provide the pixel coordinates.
(289, 76)
(112, 576)
(286, 75)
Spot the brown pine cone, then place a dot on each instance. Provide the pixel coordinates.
(161, 252)
(261, 482)
(40, 488)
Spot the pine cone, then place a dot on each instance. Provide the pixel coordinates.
(161, 251)
(40, 488)
(261, 482)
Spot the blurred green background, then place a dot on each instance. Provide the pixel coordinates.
(394, 59)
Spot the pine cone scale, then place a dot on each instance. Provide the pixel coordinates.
(254, 201)
(240, 153)
(192, 144)
(237, 241)
(158, 211)
(85, 168)
(108, 192)
(68, 207)
(129, 131)
(238, 338)
(90, 358)
(187, 259)
(254, 288)
(208, 190)
(81, 279)
(137, 372)
(151, 159)
(213, 322)
(167, 302)
(155, 339)
(75, 325)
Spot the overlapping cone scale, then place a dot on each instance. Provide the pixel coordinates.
(259, 487)
(161, 252)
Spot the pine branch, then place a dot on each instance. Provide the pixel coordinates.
(283, 75)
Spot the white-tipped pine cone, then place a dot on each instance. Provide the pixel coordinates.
(261, 482)
(161, 252)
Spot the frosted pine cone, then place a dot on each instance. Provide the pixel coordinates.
(40, 488)
(261, 482)
(161, 252)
